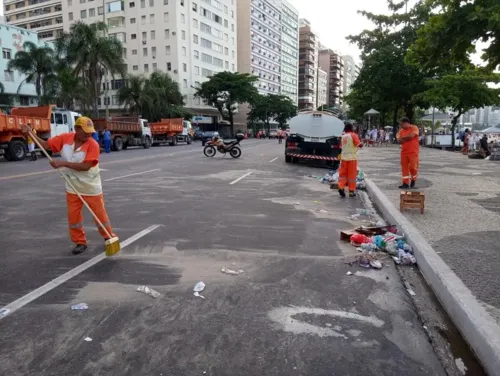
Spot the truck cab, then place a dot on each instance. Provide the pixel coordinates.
(146, 131)
(62, 121)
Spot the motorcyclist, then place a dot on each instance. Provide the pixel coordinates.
(217, 141)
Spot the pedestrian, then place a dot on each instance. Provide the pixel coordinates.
(408, 138)
(348, 170)
(80, 158)
(95, 136)
(473, 141)
(466, 140)
(31, 145)
(484, 146)
(280, 136)
(106, 139)
(373, 137)
(387, 138)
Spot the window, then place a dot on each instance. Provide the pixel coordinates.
(206, 72)
(196, 84)
(226, 24)
(183, 18)
(225, 9)
(196, 54)
(218, 62)
(143, 3)
(182, 2)
(151, 18)
(226, 64)
(131, 5)
(9, 75)
(232, 40)
(146, 68)
(82, 1)
(92, 12)
(232, 27)
(106, 101)
(133, 36)
(169, 67)
(226, 51)
(206, 58)
(115, 6)
(167, 33)
(134, 52)
(195, 7)
(232, 53)
(70, 2)
(185, 83)
(183, 35)
(143, 20)
(114, 100)
(83, 14)
(155, 66)
(197, 70)
(100, 11)
(232, 14)
(184, 67)
(165, 16)
(206, 43)
(167, 50)
(144, 35)
(135, 67)
(132, 20)
(195, 23)
(233, 67)
(195, 38)
(151, 3)
(226, 37)
(70, 16)
(165, 2)
(184, 51)
(153, 35)
(153, 51)
(217, 19)
(145, 51)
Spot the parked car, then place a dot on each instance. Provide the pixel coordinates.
(198, 135)
(273, 134)
(207, 136)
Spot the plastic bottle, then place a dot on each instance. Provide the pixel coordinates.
(392, 248)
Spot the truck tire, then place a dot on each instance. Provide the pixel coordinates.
(17, 150)
(189, 140)
(147, 142)
(174, 141)
(288, 159)
(118, 143)
(7, 156)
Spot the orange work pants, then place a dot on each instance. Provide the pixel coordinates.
(348, 172)
(75, 217)
(409, 167)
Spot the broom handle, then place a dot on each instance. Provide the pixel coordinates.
(71, 185)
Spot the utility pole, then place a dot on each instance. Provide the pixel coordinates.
(106, 102)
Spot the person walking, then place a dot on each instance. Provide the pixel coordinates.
(466, 141)
(80, 159)
(106, 139)
(408, 138)
(348, 170)
(31, 145)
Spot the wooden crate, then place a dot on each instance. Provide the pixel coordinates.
(412, 200)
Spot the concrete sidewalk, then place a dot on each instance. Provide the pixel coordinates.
(461, 223)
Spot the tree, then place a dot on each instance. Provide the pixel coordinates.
(225, 90)
(280, 108)
(36, 63)
(133, 94)
(92, 53)
(285, 109)
(65, 89)
(463, 92)
(452, 33)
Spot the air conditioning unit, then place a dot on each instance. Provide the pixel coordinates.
(173, 33)
(176, 71)
(144, 41)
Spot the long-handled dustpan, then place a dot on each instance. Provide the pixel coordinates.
(113, 243)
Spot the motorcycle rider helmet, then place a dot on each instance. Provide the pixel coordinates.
(216, 134)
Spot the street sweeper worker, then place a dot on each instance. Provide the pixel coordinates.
(80, 158)
(348, 170)
(408, 138)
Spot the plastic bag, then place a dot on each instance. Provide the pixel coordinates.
(360, 239)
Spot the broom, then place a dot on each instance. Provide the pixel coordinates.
(113, 243)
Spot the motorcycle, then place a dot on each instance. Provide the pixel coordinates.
(230, 147)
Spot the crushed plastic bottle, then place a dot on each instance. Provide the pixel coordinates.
(148, 291)
(199, 287)
(79, 307)
(392, 248)
(368, 247)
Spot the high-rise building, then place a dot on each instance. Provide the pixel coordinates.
(308, 65)
(43, 17)
(333, 64)
(322, 88)
(289, 51)
(351, 72)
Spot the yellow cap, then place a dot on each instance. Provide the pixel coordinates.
(85, 123)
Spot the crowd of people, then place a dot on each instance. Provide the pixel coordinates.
(376, 137)
(474, 144)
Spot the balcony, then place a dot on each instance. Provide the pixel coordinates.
(307, 57)
(306, 87)
(306, 72)
(116, 22)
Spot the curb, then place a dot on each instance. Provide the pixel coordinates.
(478, 328)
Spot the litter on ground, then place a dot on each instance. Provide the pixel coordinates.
(231, 271)
(199, 287)
(148, 291)
(79, 307)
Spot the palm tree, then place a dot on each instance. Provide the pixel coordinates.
(36, 63)
(133, 94)
(65, 89)
(92, 53)
(162, 96)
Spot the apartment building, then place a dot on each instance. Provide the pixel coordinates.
(190, 40)
(322, 88)
(333, 64)
(290, 51)
(42, 16)
(308, 65)
(351, 71)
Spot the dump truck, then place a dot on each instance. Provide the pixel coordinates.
(172, 131)
(48, 121)
(125, 131)
(314, 136)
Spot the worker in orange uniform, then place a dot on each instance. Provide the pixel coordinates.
(408, 138)
(348, 170)
(80, 157)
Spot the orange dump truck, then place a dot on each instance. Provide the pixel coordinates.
(125, 131)
(171, 131)
(48, 121)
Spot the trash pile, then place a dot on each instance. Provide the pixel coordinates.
(332, 178)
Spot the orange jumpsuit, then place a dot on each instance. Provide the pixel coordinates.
(409, 154)
(348, 170)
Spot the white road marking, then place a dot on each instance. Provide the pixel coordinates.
(35, 294)
(272, 160)
(137, 173)
(240, 178)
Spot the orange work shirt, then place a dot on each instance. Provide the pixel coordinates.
(412, 146)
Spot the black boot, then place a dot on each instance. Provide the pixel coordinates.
(79, 248)
(352, 194)
(412, 184)
(404, 186)
(341, 193)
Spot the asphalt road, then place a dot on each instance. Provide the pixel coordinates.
(293, 311)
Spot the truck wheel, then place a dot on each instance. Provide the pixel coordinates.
(147, 143)
(118, 142)
(17, 150)
(288, 159)
(7, 156)
(174, 141)
(189, 140)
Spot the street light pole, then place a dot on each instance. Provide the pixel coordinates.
(432, 128)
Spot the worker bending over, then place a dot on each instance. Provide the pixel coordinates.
(348, 171)
(80, 157)
(408, 138)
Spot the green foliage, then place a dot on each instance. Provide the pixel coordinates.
(263, 108)
(37, 63)
(92, 53)
(64, 89)
(225, 90)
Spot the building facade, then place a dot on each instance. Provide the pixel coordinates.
(333, 64)
(290, 51)
(351, 71)
(322, 88)
(42, 16)
(16, 88)
(308, 66)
